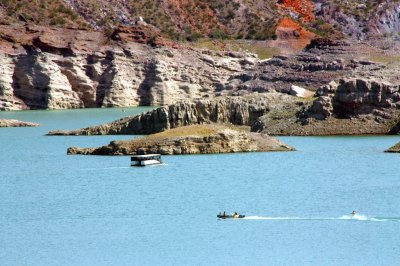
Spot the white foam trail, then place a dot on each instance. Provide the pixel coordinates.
(356, 217)
(273, 218)
(104, 168)
(160, 164)
(119, 167)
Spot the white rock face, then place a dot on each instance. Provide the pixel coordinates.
(7, 99)
(136, 75)
(300, 92)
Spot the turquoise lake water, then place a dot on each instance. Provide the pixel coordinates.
(91, 210)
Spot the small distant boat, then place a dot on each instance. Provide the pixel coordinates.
(230, 216)
(143, 160)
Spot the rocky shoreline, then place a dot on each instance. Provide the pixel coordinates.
(195, 139)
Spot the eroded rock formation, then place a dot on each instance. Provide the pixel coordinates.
(347, 107)
(356, 97)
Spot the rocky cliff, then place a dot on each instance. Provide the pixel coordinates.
(243, 110)
(53, 68)
(322, 61)
(355, 98)
(195, 139)
(62, 68)
(349, 107)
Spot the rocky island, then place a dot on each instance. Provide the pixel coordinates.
(394, 149)
(16, 123)
(194, 139)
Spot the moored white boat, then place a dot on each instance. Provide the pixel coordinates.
(143, 160)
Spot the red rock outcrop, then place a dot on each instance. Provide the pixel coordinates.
(291, 36)
(303, 8)
(13, 39)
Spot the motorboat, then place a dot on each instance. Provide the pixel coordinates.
(143, 160)
(230, 216)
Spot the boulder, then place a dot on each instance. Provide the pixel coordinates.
(300, 92)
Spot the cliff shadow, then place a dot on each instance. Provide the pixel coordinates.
(106, 78)
(144, 90)
(30, 83)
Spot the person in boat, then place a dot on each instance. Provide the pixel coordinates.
(235, 215)
(353, 213)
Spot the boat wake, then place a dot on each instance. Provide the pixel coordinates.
(105, 168)
(119, 167)
(155, 165)
(356, 217)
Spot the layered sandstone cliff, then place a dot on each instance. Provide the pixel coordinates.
(62, 68)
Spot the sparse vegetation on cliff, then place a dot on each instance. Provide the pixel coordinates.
(223, 19)
(41, 12)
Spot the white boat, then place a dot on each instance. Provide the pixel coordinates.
(143, 160)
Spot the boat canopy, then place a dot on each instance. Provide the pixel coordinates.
(146, 157)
